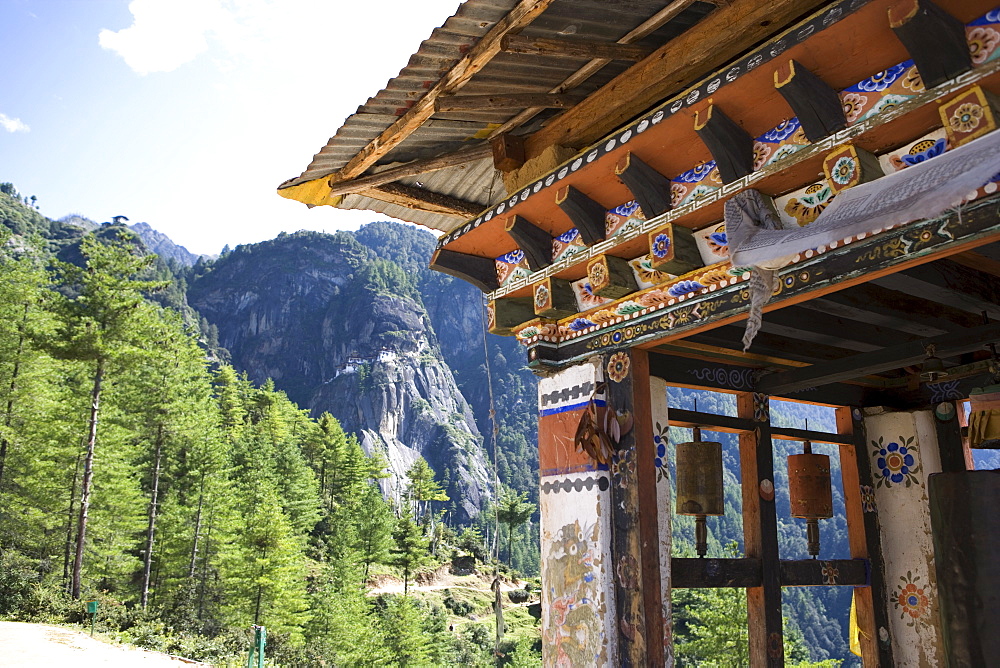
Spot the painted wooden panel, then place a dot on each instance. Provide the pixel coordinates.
(903, 451)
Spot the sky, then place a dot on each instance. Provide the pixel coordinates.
(187, 114)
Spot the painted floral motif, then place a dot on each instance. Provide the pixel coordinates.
(913, 81)
(966, 118)
(885, 104)
(788, 149)
(924, 150)
(618, 367)
(982, 42)
(511, 266)
(677, 192)
(541, 296)
(830, 573)
(681, 288)
(910, 599)
(598, 274)
(660, 440)
(626, 209)
(718, 243)
(585, 297)
(697, 173)
(623, 467)
(896, 462)
(645, 275)
(700, 191)
(581, 323)
(843, 170)
(881, 80)
(782, 131)
(867, 498)
(854, 105)
(761, 152)
(567, 244)
(806, 208)
(661, 245)
(761, 407)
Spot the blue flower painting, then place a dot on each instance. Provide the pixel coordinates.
(916, 155)
(896, 462)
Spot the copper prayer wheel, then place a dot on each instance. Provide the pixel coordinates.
(810, 492)
(809, 486)
(699, 478)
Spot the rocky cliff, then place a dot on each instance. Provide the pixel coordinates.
(342, 331)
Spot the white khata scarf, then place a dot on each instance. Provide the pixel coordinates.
(757, 239)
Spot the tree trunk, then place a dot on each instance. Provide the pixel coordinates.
(260, 590)
(151, 526)
(9, 416)
(69, 522)
(204, 564)
(88, 474)
(197, 530)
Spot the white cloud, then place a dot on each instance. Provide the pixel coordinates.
(12, 124)
(166, 34)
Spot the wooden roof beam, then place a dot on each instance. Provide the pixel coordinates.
(414, 168)
(866, 364)
(572, 48)
(513, 101)
(692, 54)
(647, 27)
(422, 200)
(476, 59)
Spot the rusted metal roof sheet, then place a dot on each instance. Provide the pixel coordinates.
(506, 73)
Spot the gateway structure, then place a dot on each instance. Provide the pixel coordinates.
(793, 199)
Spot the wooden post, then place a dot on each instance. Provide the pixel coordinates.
(760, 533)
(863, 537)
(635, 543)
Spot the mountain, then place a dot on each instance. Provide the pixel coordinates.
(343, 331)
(161, 244)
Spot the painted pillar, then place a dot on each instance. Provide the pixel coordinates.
(578, 605)
(903, 452)
(605, 543)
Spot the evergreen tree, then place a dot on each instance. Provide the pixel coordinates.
(105, 317)
(410, 549)
(374, 529)
(513, 509)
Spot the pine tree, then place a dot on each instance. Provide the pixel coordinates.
(410, 549)
(373, 536)
(106, 316)
(513, 510)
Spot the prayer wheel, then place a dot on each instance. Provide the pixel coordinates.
(699, 484)
(810, 491)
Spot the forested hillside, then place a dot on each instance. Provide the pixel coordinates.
(139, 470)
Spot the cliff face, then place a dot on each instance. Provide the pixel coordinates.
(344, 332)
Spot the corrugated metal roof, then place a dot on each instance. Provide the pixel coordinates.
(506, 73)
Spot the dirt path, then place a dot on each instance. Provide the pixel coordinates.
(41, 646)
(443, 580)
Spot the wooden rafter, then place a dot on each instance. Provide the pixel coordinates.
(476, 59)
(691, 54)
(414, 168)
(572, 48)
(513, 101)
(651, 25)
(422, 200)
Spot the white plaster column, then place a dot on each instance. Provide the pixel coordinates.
(578, 618)
(903, 450)
(664, 505)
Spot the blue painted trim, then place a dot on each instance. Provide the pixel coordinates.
(571, 407)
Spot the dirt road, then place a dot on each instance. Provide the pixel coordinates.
(41, 646)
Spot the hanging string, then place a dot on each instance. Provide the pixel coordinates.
(494, 430)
